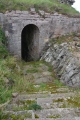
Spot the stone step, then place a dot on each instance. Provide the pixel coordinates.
(48, 114)
(71, 118)
(39, 95)
(56, 100)
(58, 113)
(18, 114)
(46, 101)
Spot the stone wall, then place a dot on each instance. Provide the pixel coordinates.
(15, 22)
(62, 25)
(49, 25)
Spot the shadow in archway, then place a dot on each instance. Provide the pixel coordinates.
(30, 43)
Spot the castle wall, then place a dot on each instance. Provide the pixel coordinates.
(15, 23)
(62, 25)
(49, 25)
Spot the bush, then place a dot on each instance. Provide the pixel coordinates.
(34, 106)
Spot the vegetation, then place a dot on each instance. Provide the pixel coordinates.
(64, 38)
(55, 116)
(16, 117)
(71, 102)
(34, 106)
(3, 51)
(48, 6)
(15, 74)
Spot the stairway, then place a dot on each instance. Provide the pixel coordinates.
(57, 106)
(56, 102)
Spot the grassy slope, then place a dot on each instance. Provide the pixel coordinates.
(13, 76)
(48, 6)
(13, 72)
(8, 69)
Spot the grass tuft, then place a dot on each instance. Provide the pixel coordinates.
(34, 106)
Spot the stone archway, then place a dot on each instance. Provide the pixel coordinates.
(30, 43)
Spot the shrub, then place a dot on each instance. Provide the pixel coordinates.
(34, 106)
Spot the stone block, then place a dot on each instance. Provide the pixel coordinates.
(41, 12)
(32, 11)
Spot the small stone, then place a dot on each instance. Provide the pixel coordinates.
(48, 105)
(41, 12)
(18, 67)
(24, 73)
(47, 14)
(6, 12)
(14, 95)
(56, 14)
(46, 73)
(36, 86)
(76, 39)
(68, 98)
(18, 12)
(6, 81)
(32, 10)
(33, 116)
(78, 34)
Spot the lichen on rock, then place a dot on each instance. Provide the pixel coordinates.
(65, 64)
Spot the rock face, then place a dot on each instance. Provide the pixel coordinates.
(27, 31)
(66, 66)
(70, 2)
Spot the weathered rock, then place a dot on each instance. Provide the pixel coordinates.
(14, 95)
(76, 39)
(46, 73)
(32, 11)
(47, 79)
(64, 63)
(6, 81)
(41, 12)
(78, 34)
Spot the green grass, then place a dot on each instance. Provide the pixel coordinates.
(46, 5)
(72, 102)
(64, 38)
(55, 116)
(17, 76)
(32, 71)
(34, 106)
(3, 51)
(26, 105)
(16, 117)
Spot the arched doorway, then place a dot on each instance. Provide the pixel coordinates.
(30, 43)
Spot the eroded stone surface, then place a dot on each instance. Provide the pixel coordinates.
(65, 63)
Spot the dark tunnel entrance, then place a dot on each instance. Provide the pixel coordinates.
(30, 43)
